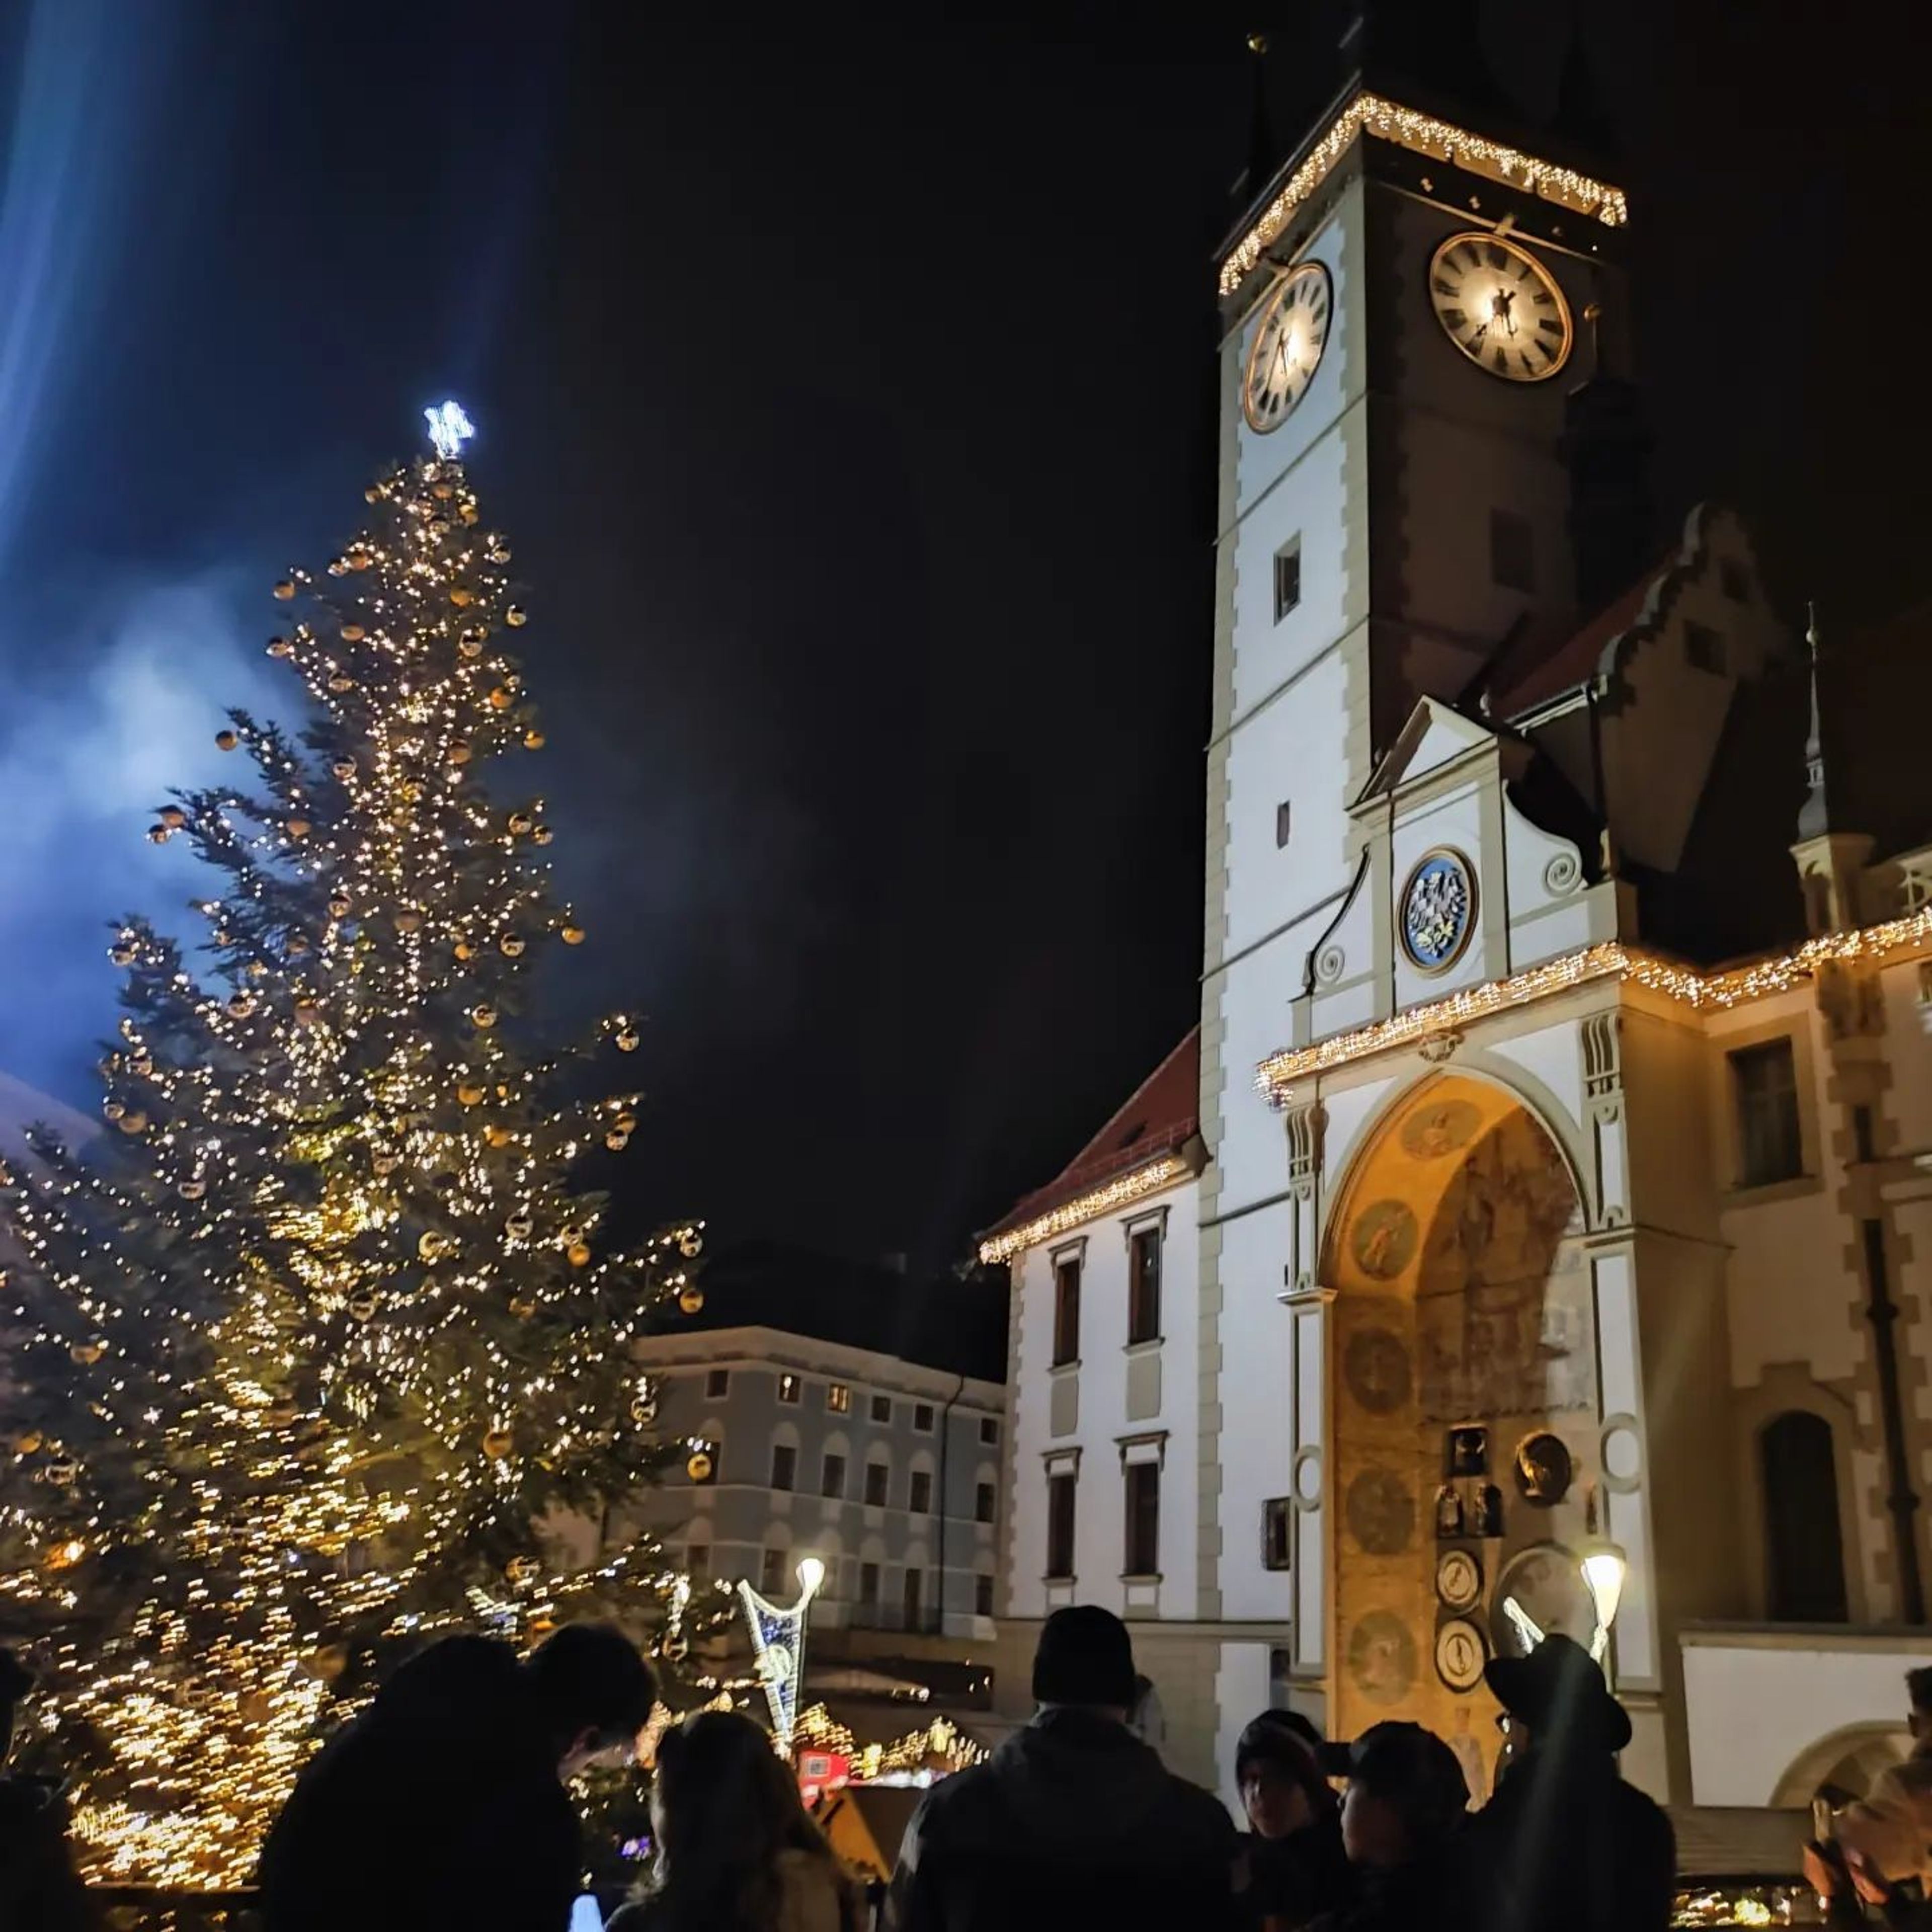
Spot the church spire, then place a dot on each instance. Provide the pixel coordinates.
(1814, 819)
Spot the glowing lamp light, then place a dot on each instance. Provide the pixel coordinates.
(449, 429)
(810, 1575)
(1604, 1566)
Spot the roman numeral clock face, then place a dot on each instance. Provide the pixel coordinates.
(1287, 349)
(1500, 307)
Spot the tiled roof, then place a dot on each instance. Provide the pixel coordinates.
(1162, 1114)
(1575, 662)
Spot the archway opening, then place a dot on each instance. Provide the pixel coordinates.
(1465, 1404)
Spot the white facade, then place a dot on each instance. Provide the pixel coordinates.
(1508, 1228)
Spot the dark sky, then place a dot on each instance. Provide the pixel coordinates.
(845, 389)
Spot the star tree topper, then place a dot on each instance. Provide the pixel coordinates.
(449, 429)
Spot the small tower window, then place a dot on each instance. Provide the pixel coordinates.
(1287, 577)
(1283, 825)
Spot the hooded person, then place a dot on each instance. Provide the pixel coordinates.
(1073, 1820)
(1295, 1868)
(39, 1891)
(1565, 1843)
(443, 1803)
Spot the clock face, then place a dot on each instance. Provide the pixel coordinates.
(1288, 345)
(1500, 307)
(1460, 1654)
(1459, 1579)
(1541, 1592)
(1438, 905)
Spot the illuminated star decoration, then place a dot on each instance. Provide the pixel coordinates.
(449, 429)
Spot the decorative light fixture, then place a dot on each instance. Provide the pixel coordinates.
(778, 1641)
(1118, 1192)
(449, 429)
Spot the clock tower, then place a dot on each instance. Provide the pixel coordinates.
(1409, 309)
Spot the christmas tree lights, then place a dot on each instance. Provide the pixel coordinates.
(328, 1351)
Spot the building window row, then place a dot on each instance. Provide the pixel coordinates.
(839, 1401)
(1141, 1536)
(1143, 1271)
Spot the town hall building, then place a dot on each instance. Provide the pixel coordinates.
(1551, 1170)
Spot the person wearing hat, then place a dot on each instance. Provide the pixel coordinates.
(40, 1890)
(1565, 1843)
(1294, 1868)
(1073, 1820)
(1402, 1817)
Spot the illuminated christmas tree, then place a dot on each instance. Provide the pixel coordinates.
(325, 1352)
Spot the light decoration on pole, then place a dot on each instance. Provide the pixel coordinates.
(1605, 1565)
(302, 1365)
(778, 1643)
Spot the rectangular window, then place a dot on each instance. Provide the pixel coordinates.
(1284, 824)
(1864, 1141)
(922, 1418)
(868, 1585)
(838, 1398)
(877, 1475)
(983, 1502)
(1059, 1526)
(1287, 578)
(882, 1409)
(788, 1388)
(989, 1430)
(717, 1384)
(1735, 579)
(697, 1562)
(1143, 1284)
(1765, 1081)
(982, 1595)
(771, 1572)
(1143, 1518)
(784, 1466)
(1066, 1309)
(1277, 1534)
(915, 1591)
(919, 1492)
(1512, 557)
(832, 1477)
(1704, 647)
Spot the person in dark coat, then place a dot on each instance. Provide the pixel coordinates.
(1073, 1821)
(443, 1803)
(1565, 1845)
(1402, 1819)
(1294, 1868)
(40, 1890)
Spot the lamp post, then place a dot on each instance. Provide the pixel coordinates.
(778, 1640)
(1605, 1566)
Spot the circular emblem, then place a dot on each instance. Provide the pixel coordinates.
(775, 1663)
(1440, 1127)
(1540, 1592)
(1543, 1468)
(1381, 1513)
(1381, 1658)
(1438, 906)
(1384, 1238)
(1376, 1366)
(1460, 1654)
(1459, 1579)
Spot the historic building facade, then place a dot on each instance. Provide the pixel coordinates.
(1548, 1167)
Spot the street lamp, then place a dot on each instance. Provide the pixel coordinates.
(1604, 1566)
(777, 1639)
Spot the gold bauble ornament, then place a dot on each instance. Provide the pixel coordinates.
(122, 954)
(627, 1042)
(438, 526)
(362, 1305)
(625, 1124)
(299, 828)
(410, 791)
(462, 596)
(615, 1141)
(676, 1647)
(579, 1254)
(691, 1301)
(484, 1017)
(308, 1011)
(113, 1109)
(353, 634)
(173, 818)
(571, 935)
(470, 1093)
(459, 753)
(471, 643)
(328, 1664)
(497, 1135)
(464, 949)
(226, 741)
(285, 589)
(256, 969)
(341, 681)
(516, 616)
(65, 1556)
(338, 907)
(511, 946)
(522, 1307)
(533, 741)
(385, 1163)
(344, 769)
(518, 1227)
(133, 1122)
(140, 1066)
(242, 1005)
(192, 1190)
(519, 1569)
(501, 697)
(88, 1353)
(372, 495)
(499, 553)
(697, 1466)
(430, 1245)
(442, 492)
(568, 1236)
(644, 1409)
(498, 1442)
(280, 647)
(160, 834)
(520, 822)
(468, 513)
(63, 1472)
(409, 920)
(27, 1442)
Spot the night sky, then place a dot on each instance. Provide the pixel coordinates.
(846, 392)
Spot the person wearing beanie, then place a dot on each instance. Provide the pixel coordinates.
(1565, 1845)
(40, 1890)
(1295, 1868)
(1073, 1820)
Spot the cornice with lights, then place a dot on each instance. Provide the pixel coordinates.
(1134, 1185)
(1422, 134)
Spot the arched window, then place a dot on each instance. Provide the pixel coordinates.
(1805, 1550)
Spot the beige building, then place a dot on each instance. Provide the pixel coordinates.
(1553, 1161)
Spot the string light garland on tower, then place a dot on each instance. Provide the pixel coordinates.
(304, 1367)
